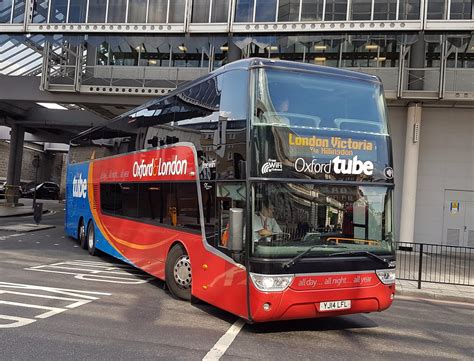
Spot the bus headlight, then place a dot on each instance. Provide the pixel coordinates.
(271, 283)
(386, 276)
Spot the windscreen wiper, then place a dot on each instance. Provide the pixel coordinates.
(295, 259)
(368, 254)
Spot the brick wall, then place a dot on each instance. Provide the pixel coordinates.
(52, 165)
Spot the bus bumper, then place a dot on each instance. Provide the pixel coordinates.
(297, 304)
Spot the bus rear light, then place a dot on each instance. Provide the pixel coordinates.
(267, 306)
(271, 283)
(386, 276)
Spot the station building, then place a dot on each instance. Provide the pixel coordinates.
(100, 58)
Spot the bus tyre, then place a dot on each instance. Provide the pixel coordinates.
(81, 234)
(178, 273)
(91, 239)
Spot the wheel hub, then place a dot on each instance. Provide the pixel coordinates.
(91, 239)
(82, 232)
(182, 271)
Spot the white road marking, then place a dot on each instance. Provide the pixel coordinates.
(74, 298)
(96, 271)
(17, 235)
(225, 341)
(52, 310)
(19, 321)
(2, 238)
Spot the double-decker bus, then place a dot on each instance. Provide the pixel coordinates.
(264, 189)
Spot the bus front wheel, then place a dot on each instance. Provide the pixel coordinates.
(91, 239)
(178, 273)
(81, 234)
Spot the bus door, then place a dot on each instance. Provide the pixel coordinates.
(217, 273)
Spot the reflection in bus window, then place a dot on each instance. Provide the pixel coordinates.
(332, 216)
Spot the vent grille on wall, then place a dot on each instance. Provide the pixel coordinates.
(453, 237)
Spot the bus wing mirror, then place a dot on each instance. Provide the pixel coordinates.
(236, 230)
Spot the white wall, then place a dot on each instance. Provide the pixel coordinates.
(446, 161)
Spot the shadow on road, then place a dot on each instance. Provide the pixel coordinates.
(314, 324)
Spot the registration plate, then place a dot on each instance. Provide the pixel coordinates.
(335, 305)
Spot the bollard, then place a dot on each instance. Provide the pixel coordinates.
(38, 212)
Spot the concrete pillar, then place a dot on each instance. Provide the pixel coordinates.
(234, 53)
(17, 136)
(410, 173)
(417, 60)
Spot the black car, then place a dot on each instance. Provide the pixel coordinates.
(45, 190)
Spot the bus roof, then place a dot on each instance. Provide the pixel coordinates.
(248, 64)
(293, 65)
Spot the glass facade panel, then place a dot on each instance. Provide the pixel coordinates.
(19, 11)
(244, 11)
(325, 52)
(383, 52)
(361, 9)
(40, 11)
(58, 11)
(117, 11)
(200, 11)
(97, 11)
(77, 11)
(157, 11)
(265, 10)
(336, 10)
(177, 11)
(409, 10)
(288, 10)
(462, 9)
(385, 9)
(137, 11)
(5, 11)
(311, 10)
(436, 9)
(220, 11)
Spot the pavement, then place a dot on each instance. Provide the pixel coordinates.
(436, 291)
(24, 209)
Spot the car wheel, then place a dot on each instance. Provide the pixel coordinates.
(81, 234)
(178, 273)
(91, 239)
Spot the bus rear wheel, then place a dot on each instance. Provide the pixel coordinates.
(91, 239)
(178, 273)
(81, 234)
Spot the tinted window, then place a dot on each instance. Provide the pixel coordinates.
(288, 10)
(265, 10)
(137, 11)
(171, 204)
(77, 11)
(200, 11)
(244, 11)
(5, 11)
(97, 11)
(58, 10)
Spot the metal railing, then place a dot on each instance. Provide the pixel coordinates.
(435, 263)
